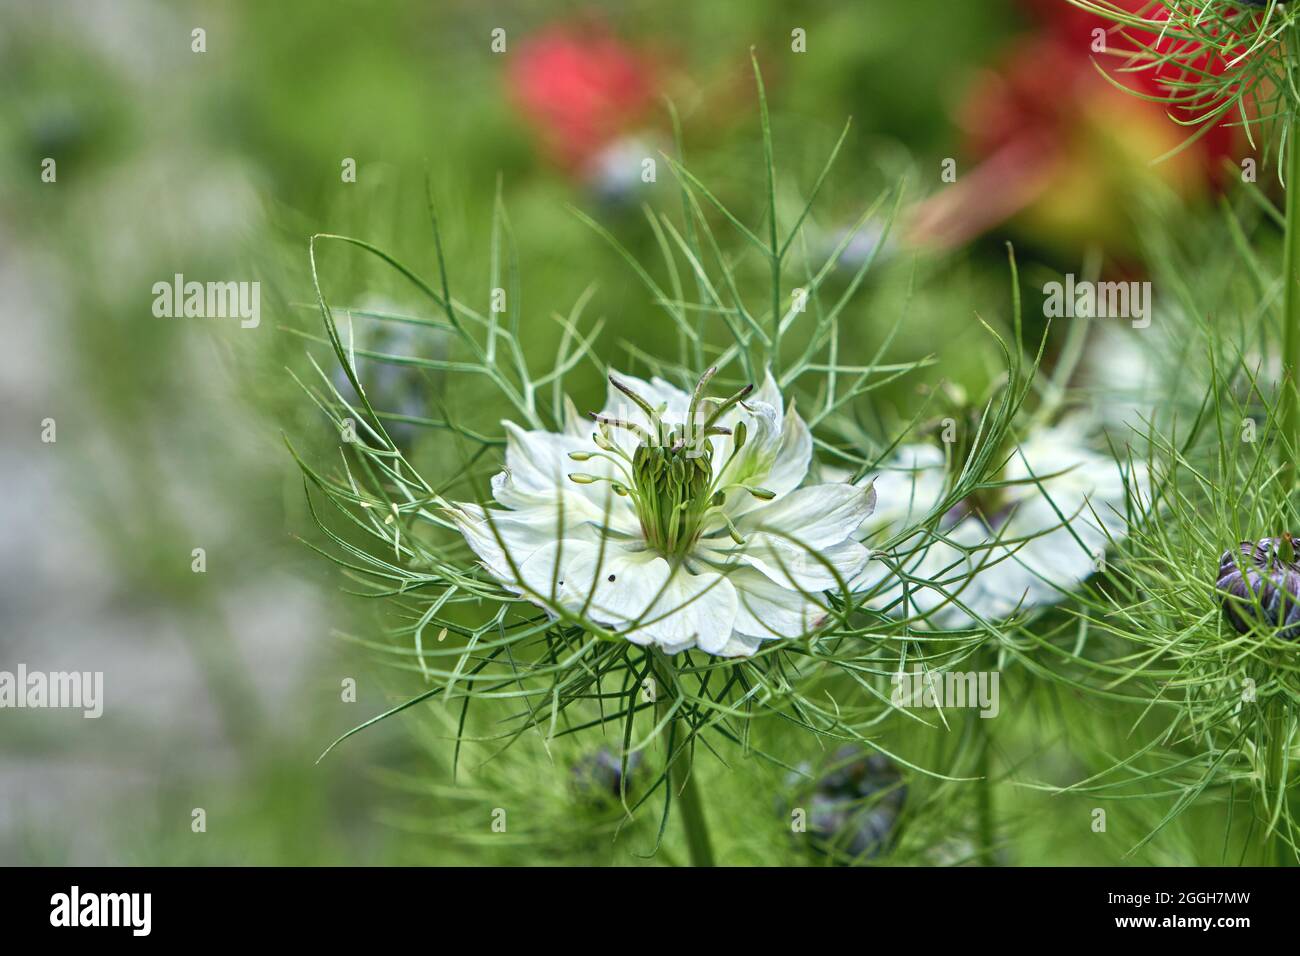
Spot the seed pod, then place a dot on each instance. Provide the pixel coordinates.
(1259, 583)
(853, 807)
(599, 775)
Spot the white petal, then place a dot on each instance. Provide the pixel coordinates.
(924, 558)
(520, 549)
(1058, 460)
(650, 602)
(693, 610)
(766, 611)
(637, 579)
(814, 517)
(998, 575)
(1057, 558)
(770, 392)
(491, 537)
(539, 461)
(1034, 560)
(752, 464)
(543, 576)
(537, 476)
(740, 645)
(576, 424)
(766, 404)
(909, 486)
(793, 455)
(571, 506)
(794, 566)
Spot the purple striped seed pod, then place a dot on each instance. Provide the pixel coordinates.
(853, 807)
(1260, 584)
(599, 775)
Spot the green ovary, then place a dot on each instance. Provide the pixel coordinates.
(672, 487)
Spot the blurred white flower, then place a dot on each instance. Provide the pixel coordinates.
(1044, 533)
(684, 525)
(614, 174)
(868, 242)
(1128, 374)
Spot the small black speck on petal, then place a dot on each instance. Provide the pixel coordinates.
(611, 577)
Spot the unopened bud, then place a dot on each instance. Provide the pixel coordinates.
(1259, 585)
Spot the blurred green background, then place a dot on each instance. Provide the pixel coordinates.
(222, 687)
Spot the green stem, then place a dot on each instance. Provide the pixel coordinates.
(985, 658)
(1275, 724)
(984, 795)
(1290, 399)
(692, 809)
(681, 779)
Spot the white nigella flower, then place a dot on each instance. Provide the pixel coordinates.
(1125, 373)
(1041, 536)
(684, 525)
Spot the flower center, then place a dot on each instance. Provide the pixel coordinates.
(673, 486)
(670, 475)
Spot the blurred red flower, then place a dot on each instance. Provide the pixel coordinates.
(580, 88)
(1057, 146)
